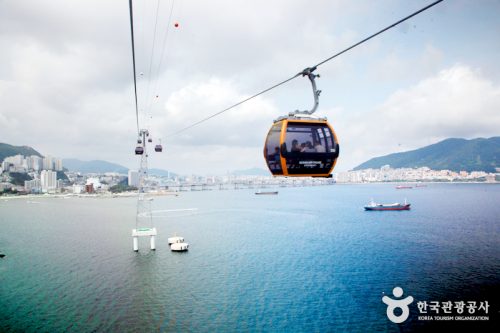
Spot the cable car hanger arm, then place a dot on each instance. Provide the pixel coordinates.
(309, 72)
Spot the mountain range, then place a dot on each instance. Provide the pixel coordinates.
(450, 154)
(251, 172)
(96, 166)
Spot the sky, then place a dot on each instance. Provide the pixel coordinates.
(66, 77)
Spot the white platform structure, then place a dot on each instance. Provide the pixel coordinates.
(144, 232)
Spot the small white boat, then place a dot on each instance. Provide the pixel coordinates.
(179, 247)
(175, 239)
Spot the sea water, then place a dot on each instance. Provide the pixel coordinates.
(307, 259)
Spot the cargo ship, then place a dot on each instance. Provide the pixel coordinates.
(394, 206)
(266, 192)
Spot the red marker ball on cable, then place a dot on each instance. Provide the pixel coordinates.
(176, 24)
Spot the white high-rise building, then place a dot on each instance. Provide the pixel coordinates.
(36, 163)
(27, 163)
(133, 178)
(48, 180)
(48, 163)
(58, 165)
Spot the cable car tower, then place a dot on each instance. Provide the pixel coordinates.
(144, 218)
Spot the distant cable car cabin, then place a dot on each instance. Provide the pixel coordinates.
(302, 146)
(139, 149)
(159, 147)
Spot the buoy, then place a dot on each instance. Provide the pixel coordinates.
(176, 24)
(179, 247)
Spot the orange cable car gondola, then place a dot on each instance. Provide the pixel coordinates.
(302, 146)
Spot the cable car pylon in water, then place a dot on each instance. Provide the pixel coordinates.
(300, 145)
(144, 218)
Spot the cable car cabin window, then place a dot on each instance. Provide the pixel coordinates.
(309, 149)
(272, 149)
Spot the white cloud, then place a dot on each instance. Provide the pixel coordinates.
(399, 66)
(244, 126)
(457, 102)
(212, 159)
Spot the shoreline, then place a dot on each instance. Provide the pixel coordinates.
(85, 196)
(177, 193)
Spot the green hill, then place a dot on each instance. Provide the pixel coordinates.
(450, 154)
(7, 150)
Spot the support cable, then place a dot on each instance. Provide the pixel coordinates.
(158, 70)
(307, 70)
(133, 62)
(151, 57)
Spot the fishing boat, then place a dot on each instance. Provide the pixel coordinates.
(399, 187)
(394, 206)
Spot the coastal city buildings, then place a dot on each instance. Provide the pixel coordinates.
(20, 163)
(423, 174)
(32, 174)
(38, 175)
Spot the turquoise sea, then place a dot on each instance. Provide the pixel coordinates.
(307, 260)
